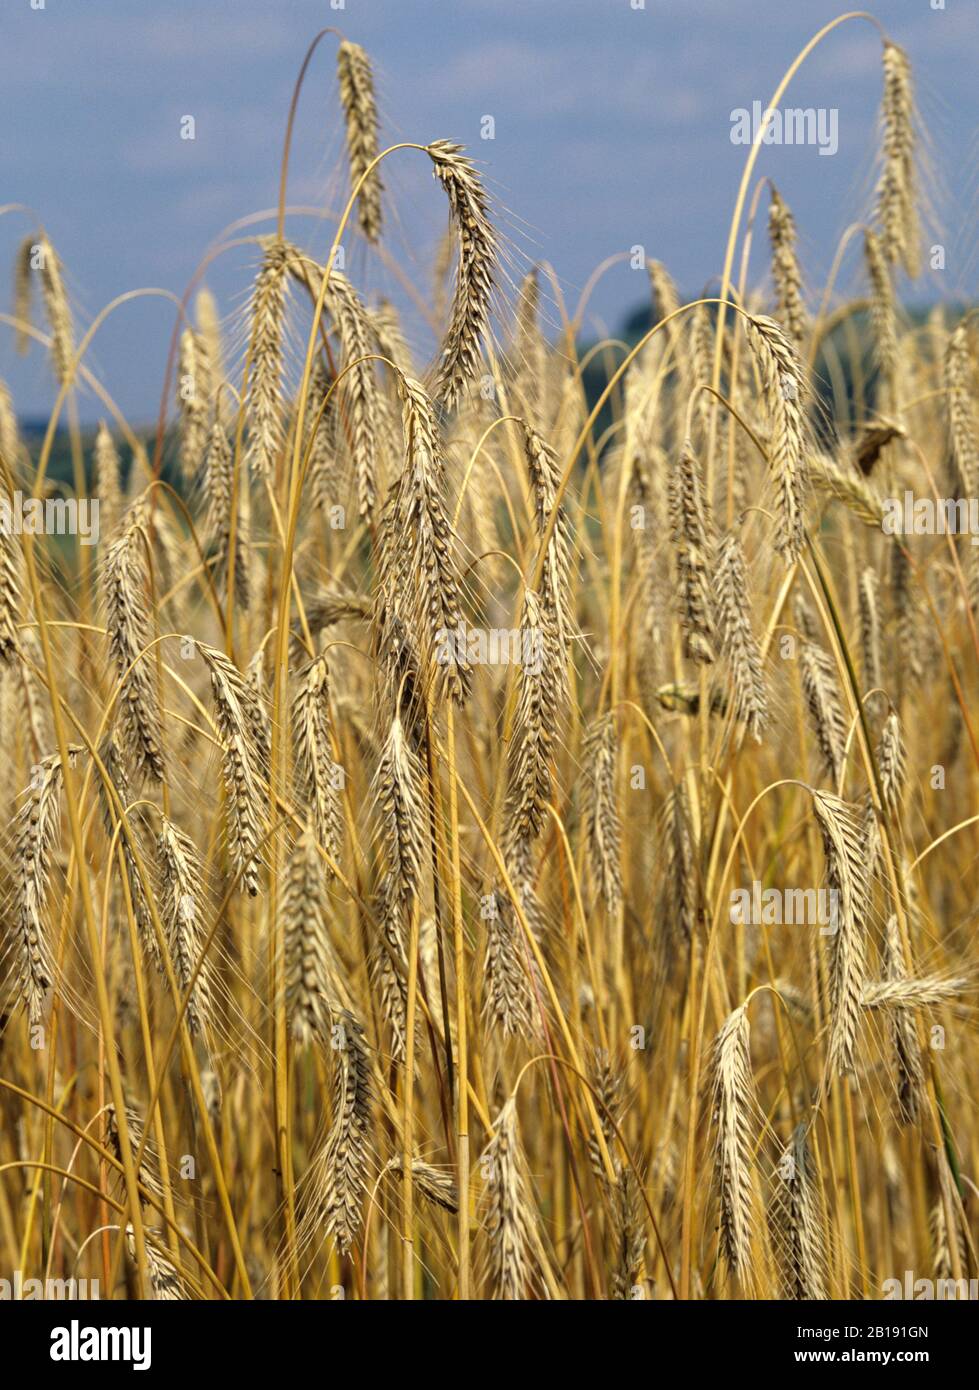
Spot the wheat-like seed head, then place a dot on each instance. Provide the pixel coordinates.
(523, 875)
(401, 830)
(418, 568)
(267, 314)
(530, 353)
(535, 727)
(555, 583)
(401, 813)
(321, 441)
(607, 1081)
(680, 887)
(212, 1096)
(106, 483)
(125, 594)
(219, 484)
(389, 963)
(891, 763)
(11, 585)
(236, 718)
(732, 1089)
(627, 1236)
(210, 351)
(56, 307)
(325, 608)
(148, 1172)
(839, 480)
(320, 777)
(360, 392)
(192, 402)
(700, 369)
(847, 876)
(785, 389)
(897, 194)
(825, 705)
(508, 1001)
(182, 894)
(342, 1166)
(790, 303)
(796, 1222)
(694, 550)
(738, 644)
(257, 708)
(883, 311)
(666, 302)
(666, 299)
(509, 1214)
(475, 270)
(435, 1185)
(600, 811)
(959, 395)
(357, 97)
(311, 967)
(906, 616)
(165, 1279)
(136, 889)
(11, 449)
(869, 628)
(918, 993)
(945, 1235)
(37, 834)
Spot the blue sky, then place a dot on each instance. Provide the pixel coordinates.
(612, 128)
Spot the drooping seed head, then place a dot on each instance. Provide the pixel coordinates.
(356, 81)
(475, 270)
